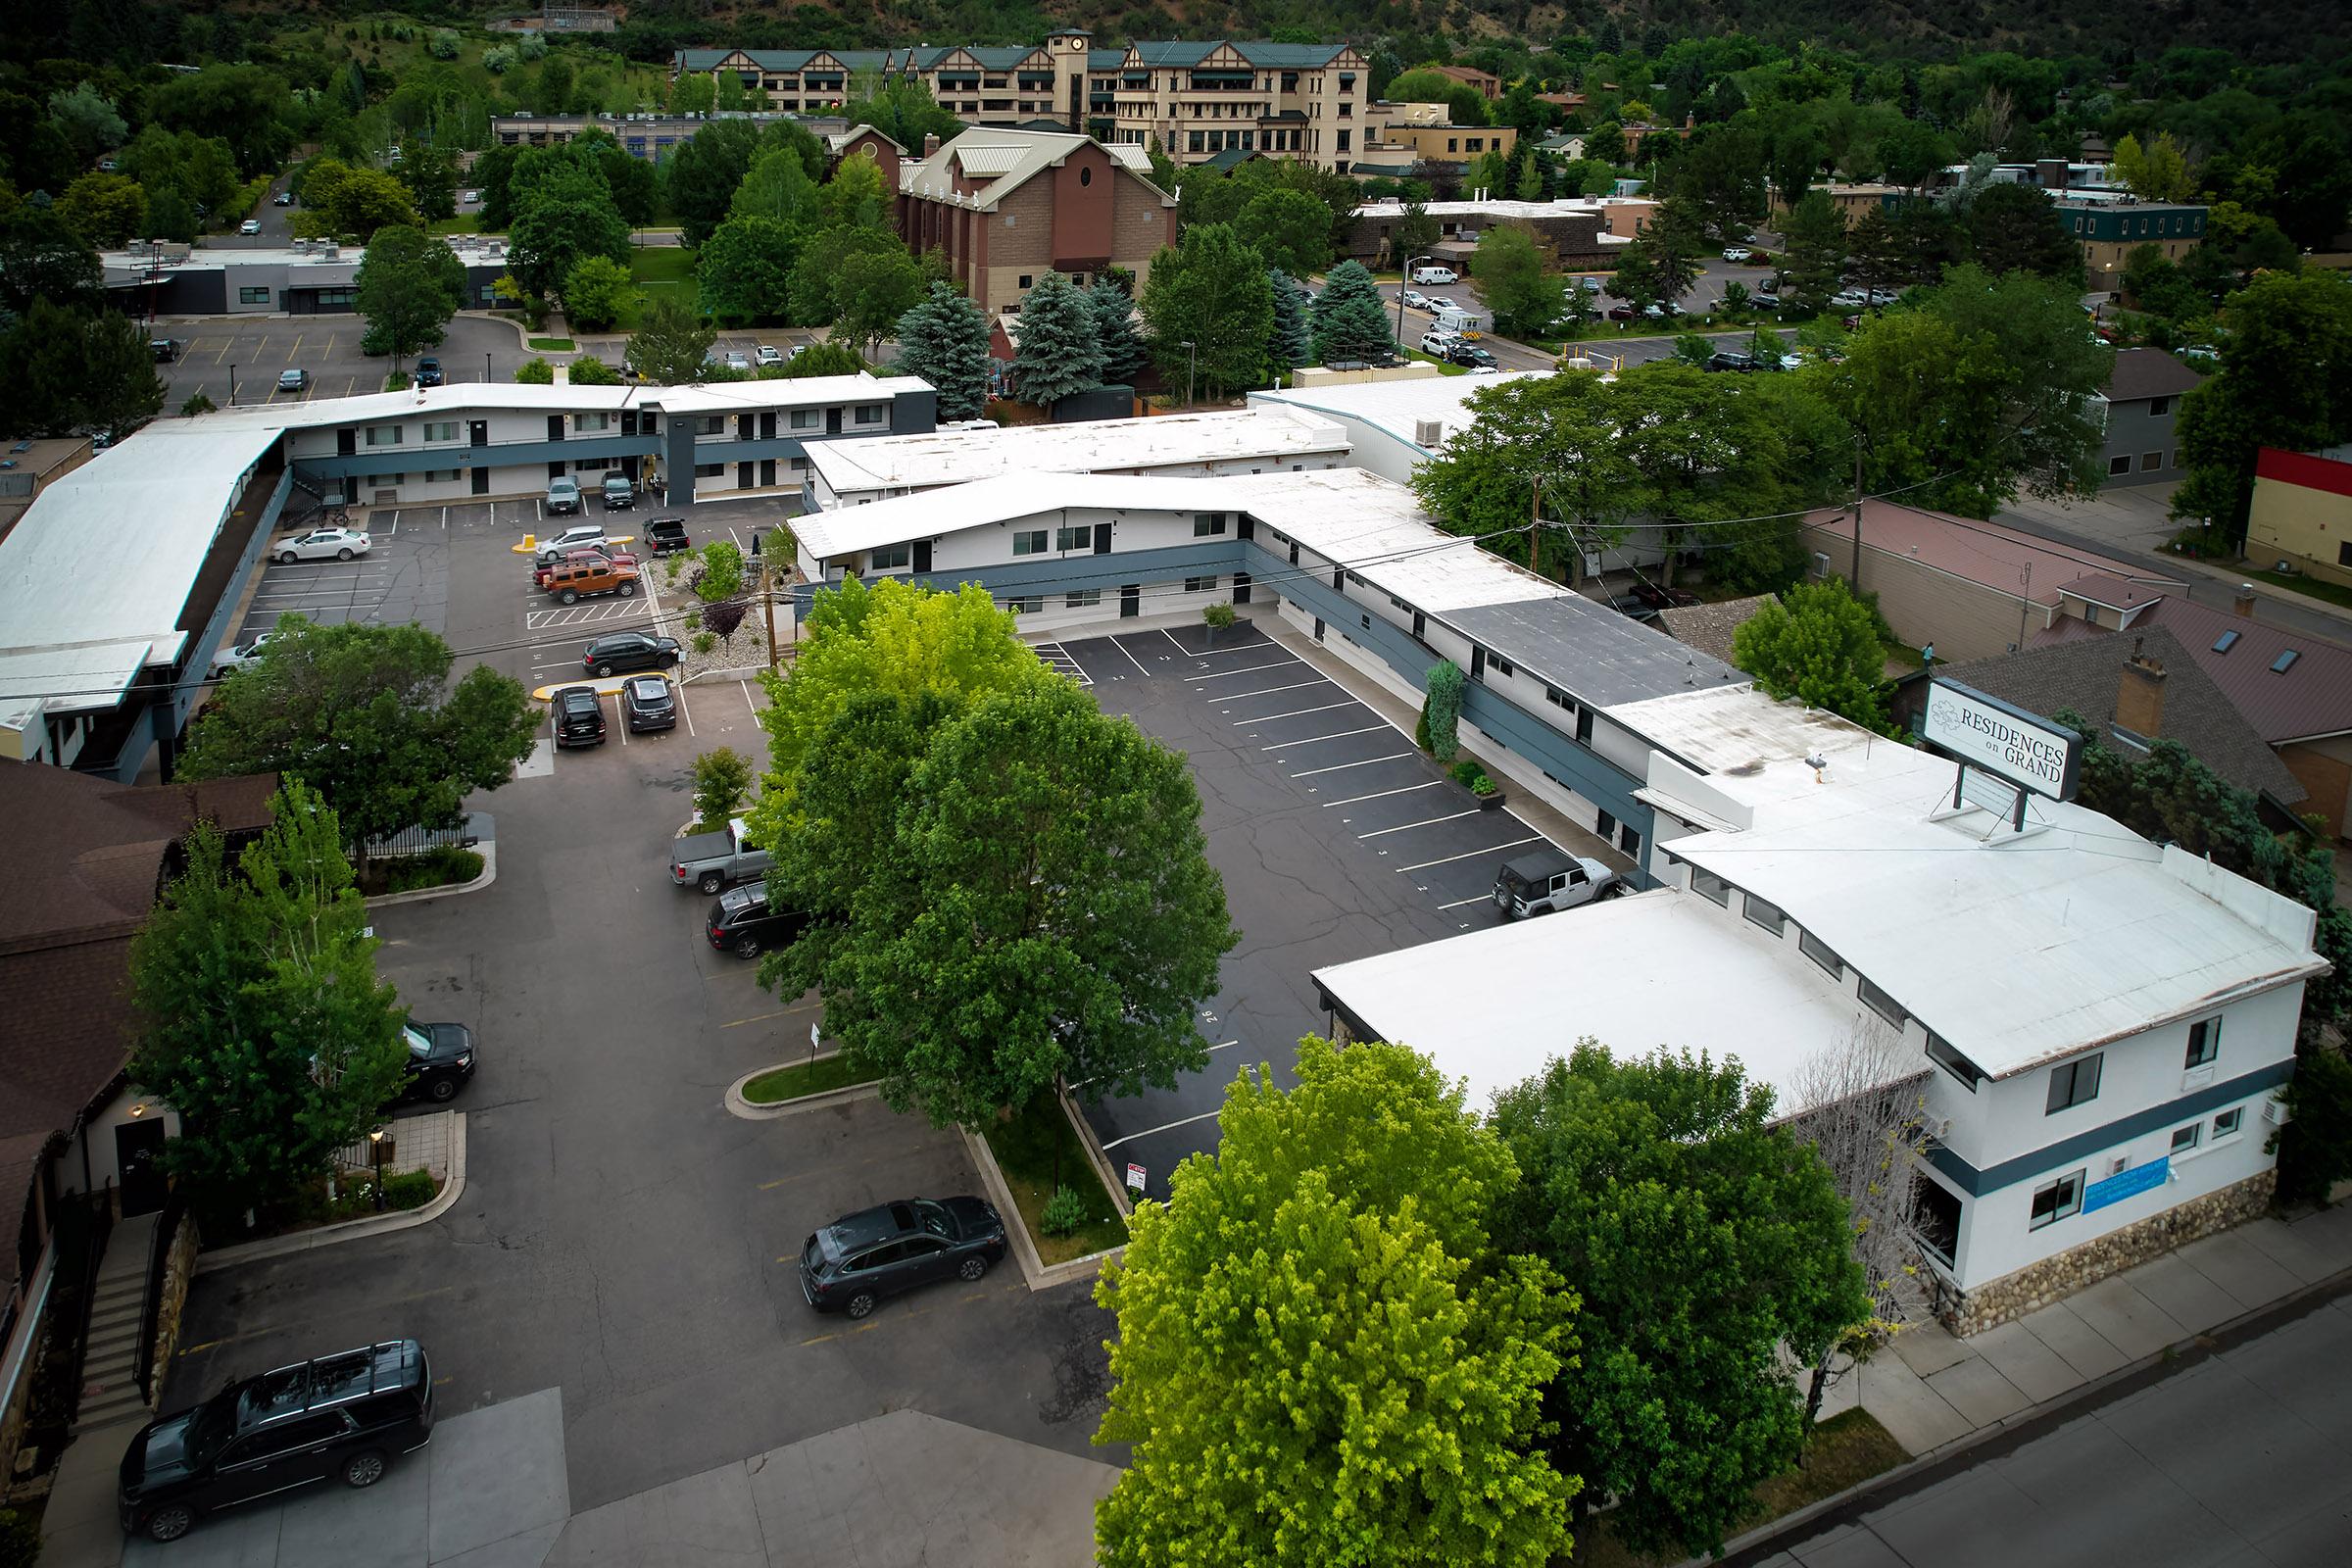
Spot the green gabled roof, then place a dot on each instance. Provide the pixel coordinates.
(1378, 169)
(1175, 52)
(927, 59)
(1005, 57)
(1232, 158)
(697, 59)
(1291, 56)
(1105, 60)
(865, 59)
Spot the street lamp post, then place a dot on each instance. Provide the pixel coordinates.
(1403, 279)
(232, 386)
(1192, 363)
(486, 375)
(376, 1143)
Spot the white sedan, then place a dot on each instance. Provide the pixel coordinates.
(1737, 253)
(322, 544)
(238, 656)
(1414, 299)
(768, 354)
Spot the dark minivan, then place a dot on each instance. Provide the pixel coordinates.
(860, 1258)
(345, 1415)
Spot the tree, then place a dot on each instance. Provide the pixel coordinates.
(669, 346)
(89, 121)
(66, 370)
(1693, 349)
(262, 1019)
(42, 259)
(703, 172)
(777, 187)
(1113, 308)
(822, 358)
(1323, 1355)
(1289, 228)
(430, 174)
(944, 340)
(1820, 645)
(1875, 249)
(1210, 311)
(872, 290)
(249, 107)
(744, 271)
(366, 715)
(819, 262)
(1288, 345)
(723, 781)
(561, 221)
(1508, 267)
(1058, 353)
(1441, 710)
(589, 371)
(338, 200)
(409, 285)
(2155, 173)
(105, 210)
(1543, 446)
(2014, 229)
(1816, 256)
(856, 195)
(537, 371)
(596, 293)
(1348, 320)
(1910, 150)
(2286, 382)
(904, 110)
(693, 94)
(1416, 232)
(1701, 1239)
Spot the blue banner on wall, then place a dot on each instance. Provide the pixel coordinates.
(2127, 1184)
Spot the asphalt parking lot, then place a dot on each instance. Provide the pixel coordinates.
(404, 578)
(245, 354)
(621, 1238)
(1336, 837)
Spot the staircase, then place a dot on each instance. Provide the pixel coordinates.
(110, 1383)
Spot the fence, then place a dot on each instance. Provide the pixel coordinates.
(425, 840)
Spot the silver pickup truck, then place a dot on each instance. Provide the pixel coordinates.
(708, 862)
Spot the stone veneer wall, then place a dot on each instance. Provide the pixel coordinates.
(179, 1268)
(2037, 1285)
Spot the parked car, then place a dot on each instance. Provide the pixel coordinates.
(440, 1060)
(579, 536)
(1737, 253)
(667, 534)
(1633, 609)
(564, 499)
(346, 1415)
(1438, 302)
(1883, 296)
(284, 198)
(608, 554)
(1414, 299)
(860, 1258)
(1738, 360)
(718, 860)
(1657, 597)
(1471, 355)
(1436, 274)
(165, 349)
(648, 703)
(1438, 342)
(580, 717)
(251, 226)
(741, 922)
(293, 380)
(736, 361)
(630, 649)
(768, 354)
(1552, 879)
(1624, 313)
(428, 371)
(1765, 299)
(619, 494)
(1850, 299)
(322, 544)
(589, 577)
(230, 659)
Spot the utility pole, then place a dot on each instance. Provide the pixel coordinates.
(1857, 572)
(1535, 532)
(767, 598)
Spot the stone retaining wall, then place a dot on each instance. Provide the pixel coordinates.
(179, 1267)
(2037, 1285)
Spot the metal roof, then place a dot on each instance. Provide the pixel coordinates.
(1587, 649)
(1008, 159)
(958, 456)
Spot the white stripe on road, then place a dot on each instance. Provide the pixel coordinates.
(1483, 897)
(1384, 832)
(1336, 735)
(1383, 794)
(1243, 671)
(1296, 712)
(1295, 686)
(1472, 854)
(1366, 762)
(1219, 1046)
(1207, 1115)
(1131, 659)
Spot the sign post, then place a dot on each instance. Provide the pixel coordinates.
(2018, 752)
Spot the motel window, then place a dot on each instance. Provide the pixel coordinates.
(1768, 915)
(1812, 946)
(441, 430)
(1941, 1053)
(2120, 464)
(1880, 1002)
(891, 558)
(253, 296)
(2185, 1138)
(872, 412)
(584, 422)
(2204, 1042)
(1203, 585)
(1028, 604)
(2150, 462)
(443, 475)
(1081, 598)
(2228, 1123)
(1707, 885)
(1205, 524)
(1076, 538)
(1029, 541)
(712, 424)
(807, 418)
(383, 435)
(1559, 699)
(2073, 1083)
(2056, 1201)
(709, 470)
(1026, 279)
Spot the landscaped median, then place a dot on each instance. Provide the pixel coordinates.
(825, 1078)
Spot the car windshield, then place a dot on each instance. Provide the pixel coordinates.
(210, 1426)
(935, 1219)
(421, 1044)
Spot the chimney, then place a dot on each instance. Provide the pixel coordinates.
(2244, 603)
(930, 142)
(2139, 697)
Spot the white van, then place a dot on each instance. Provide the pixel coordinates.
(1436, 274)
(1460, 322)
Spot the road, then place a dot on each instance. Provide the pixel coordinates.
(2240, 1459)
(1511, 355)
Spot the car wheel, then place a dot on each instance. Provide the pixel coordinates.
(627, 590)
(567, 596)
(668, 660)
(444, 1089)
(972, 1268)
(604, 669)
(343, 553)
(364, 1468)
(709, 883)
(747, 947)
(171, 1522)
(860, 1306)
(1613, 890)
(287, 558)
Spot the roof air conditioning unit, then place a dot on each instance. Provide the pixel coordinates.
(1430, 433)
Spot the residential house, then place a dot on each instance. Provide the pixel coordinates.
(1488, 85)
(2140, 405)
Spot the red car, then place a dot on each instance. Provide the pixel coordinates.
(619, 558)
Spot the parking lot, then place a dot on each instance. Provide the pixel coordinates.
(246, 353)
(1336, 837)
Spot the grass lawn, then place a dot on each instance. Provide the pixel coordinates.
(552, 345)
(1847, 1450)
(1445, 366)
(2334, 592)
(1027, 1149)
(663, 269)
(804, 1078)
(462, 224)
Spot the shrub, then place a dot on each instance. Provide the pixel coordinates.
(536, 373)
(197, 404)
(410, 1189)
(20, 1540)
(721, 576)
(397, 381)
(1064, 1212)
(705, 641)
(434, 868)
(1472, 777)
(445, 44)
(724, 618)
(1445, 709)
(589, 371)
(1218, 617)
(721, 779)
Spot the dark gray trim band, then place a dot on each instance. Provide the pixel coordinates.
(2069, 1151)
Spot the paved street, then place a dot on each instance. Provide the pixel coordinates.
(2241, 1460)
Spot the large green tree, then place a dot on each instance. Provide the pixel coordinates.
(1058, 352)
(1123, 353)
(743, 273)
(1703, 1243)
(1820, 645)
(42, 259)
(705, 170)
(669, 346)
(777, 187)
(2015, 229)
(262, 1021)
(872, 290)
(1550, 447)
(818, 263)
(366, 716)
(1288, 228)
(944, 340)
(70, 369)
(904, 110)
(560, 221)
(595, 295)
(1324, 1356)
(339, 201)
(1513, 280)
(1208, 291)
(1288, 345)
(249, 107)
(2286, 382)
(1815, 260)
(410, 284)
(1348, 319)
(105, 210)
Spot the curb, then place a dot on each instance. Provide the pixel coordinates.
(2015, 1431)
(355, 1229)
(1039, 1275)
(487, 849)
(737, 1106)
(731, 672)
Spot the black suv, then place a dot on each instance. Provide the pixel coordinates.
(1738, 360)
(742, 923)
(343, 1415)
(428, 371)
(440, 1060)
(646, 703)
(860, 1258)
(629, 650)
(580, 717)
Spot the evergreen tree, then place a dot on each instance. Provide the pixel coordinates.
(1348, 321)
(1059, 351)
(1817, 247)
(1115, 329)
(944, 341)
(1210, 292)
(1287, 346)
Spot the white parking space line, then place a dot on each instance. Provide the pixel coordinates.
(1207, 1115)
(685, 711)
(1295, 686)
(1336, 735)
(1379, 795)
(1472, 855)
(747, 698)
(1336, 767)
(1246, 670)
(1261, 644)
(620, 720)
(1296, 712)
(1173, 643)
(1483, 897)
(1407, 827)
(1219, 1046)
(1131, 659)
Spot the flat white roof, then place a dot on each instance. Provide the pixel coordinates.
(1095, 446)
(455, 399)
(1658, 969)
(1396, 408)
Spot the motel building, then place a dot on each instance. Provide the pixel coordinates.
(2102, 1022)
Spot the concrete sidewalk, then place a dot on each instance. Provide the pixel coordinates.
(1930, 1389)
